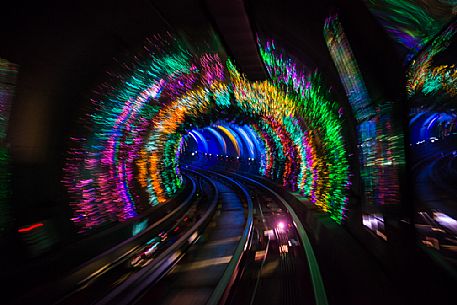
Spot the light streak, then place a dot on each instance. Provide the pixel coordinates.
(231, 136)
(380, 148)
(412, 24)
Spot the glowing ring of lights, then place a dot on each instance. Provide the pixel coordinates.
(136, 134)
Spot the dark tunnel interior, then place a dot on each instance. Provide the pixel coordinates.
(228, 152)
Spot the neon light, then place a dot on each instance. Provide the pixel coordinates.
(380, 148)
(348, 69)
(412, 23)
(30, 228)
(423, 78)
(321, 121)
(219, 138)
(247, 140)
(201, 138)
(231, 137)
(139, 227)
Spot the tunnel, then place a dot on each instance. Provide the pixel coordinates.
(228, 152)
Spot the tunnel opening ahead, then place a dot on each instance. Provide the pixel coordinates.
(224, 145)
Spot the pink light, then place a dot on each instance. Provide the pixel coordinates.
(281, 226)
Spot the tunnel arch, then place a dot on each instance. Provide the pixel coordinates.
(251, 149)
(137, 130)
(216, 135)
(236, 143)
(241, 143)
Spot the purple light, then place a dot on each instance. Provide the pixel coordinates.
(280, 226)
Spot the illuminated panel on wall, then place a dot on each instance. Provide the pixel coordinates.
(380, 147)
(347, 67)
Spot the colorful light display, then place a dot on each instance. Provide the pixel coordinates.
(130, 160)
(432, 91)
(413, 24)
(325, 159)
(425, 78)
(347, 67)
(240, 142)
(380, 146)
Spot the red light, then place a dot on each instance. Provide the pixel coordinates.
(30, 228)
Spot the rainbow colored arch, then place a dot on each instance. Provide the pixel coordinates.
(129, 158)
